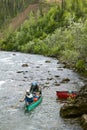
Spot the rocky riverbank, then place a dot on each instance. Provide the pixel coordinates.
(77, 107)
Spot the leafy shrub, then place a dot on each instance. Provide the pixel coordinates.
(80, 66)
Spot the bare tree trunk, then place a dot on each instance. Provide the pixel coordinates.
(63, 4)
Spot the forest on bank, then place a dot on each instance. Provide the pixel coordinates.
(57, 29)
(11, 8)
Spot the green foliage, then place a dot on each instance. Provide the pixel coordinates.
(70, 56)
(78, 7)
(28, 48)
(80, 65)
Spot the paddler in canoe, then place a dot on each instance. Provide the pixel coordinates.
(35, 87)
(33, 94)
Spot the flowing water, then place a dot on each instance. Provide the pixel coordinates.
(17, 71)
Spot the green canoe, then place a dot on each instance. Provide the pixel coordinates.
(33, 105)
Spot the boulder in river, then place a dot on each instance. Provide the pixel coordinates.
(24, 65)
(77, 108)
(84, 121)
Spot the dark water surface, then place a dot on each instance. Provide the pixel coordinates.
(16, 78)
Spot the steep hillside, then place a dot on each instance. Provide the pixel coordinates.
(18, 20)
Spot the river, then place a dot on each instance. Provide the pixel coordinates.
(17, 71)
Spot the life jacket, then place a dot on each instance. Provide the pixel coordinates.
(29, 98)
(36, 97)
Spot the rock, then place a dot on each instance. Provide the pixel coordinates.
(49, 78)
(69, 111)
(84, 121)
(65, 80)
(57, 76)
(25, 65)
(47, 83)
(77, 108)
(14, 54)
(20, 71)
(47, 61)
(37, 66)
(56, 84)
(25, 77)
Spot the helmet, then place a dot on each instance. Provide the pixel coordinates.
(70, 91)
(27, 90)
(34, 83)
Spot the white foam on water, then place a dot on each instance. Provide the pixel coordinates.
(1, 83)
(7, 60)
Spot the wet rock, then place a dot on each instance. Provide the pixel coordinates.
(20, 71)
(47, 61)
(58, 62)
(37, 66)
(78, 107)
(24, 72)
(56, 84)
(49, 74)
(24, 80)
(84, 121)
(14, 54)
(41, 79)
(60, 69)
(57, 76)
(70, 111)
(47, 83)
(66, 64)
(24, 65)
(25, 77)
(49, 78)
(45, 86)
(65, 80)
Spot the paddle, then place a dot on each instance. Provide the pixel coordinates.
(15, 106)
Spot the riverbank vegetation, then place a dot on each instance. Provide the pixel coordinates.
(60, 31)
(11, 8)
